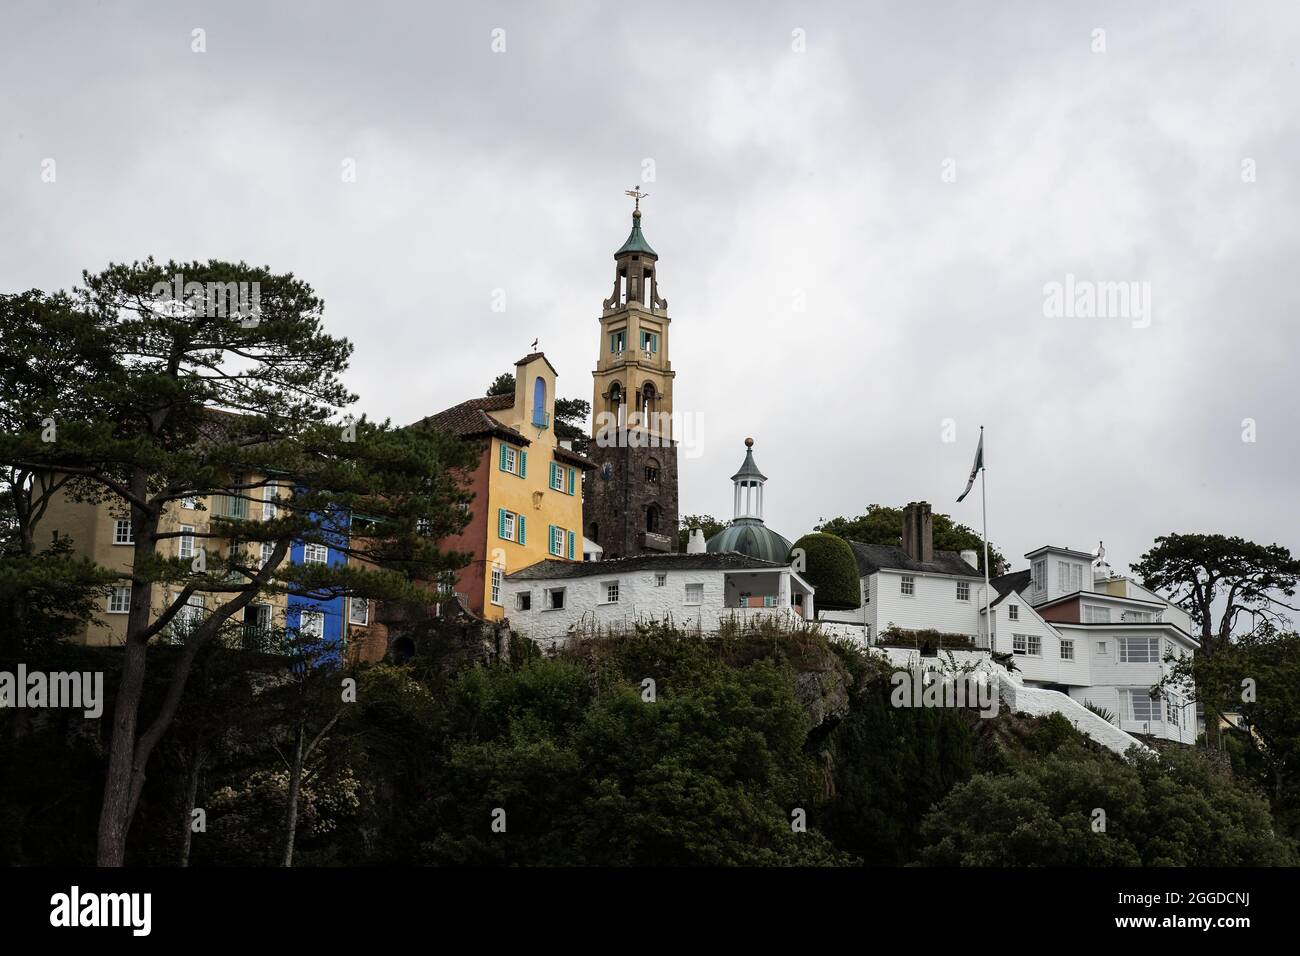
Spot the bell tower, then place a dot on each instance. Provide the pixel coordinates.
(630, 501)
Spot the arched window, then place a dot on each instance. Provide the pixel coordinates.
(648, 397)
(539, 402)
(652, 519)
(652, 470)
(616, 403)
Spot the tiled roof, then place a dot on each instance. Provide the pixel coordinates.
(873, 557)
(572, 457)
(536, 355)
(726, 561)
(470, 419)
(1005, 584)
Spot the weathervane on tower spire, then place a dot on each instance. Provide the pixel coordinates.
(638, 195)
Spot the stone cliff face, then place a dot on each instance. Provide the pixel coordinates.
(821, 685)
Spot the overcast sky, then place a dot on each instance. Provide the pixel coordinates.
(833, 292)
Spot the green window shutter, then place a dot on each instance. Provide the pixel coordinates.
(501, 522)
(523, 538)
(554, 469)
(571, 537)
(550, 538)
(572, 473)
(523, 463)
(501, 463)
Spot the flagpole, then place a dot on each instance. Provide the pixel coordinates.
(984, 507)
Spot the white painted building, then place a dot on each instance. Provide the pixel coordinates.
(551, 600)
(1069, 623)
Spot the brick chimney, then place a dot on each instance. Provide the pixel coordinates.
(918, 531)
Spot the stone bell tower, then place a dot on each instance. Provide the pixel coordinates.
(630, 501)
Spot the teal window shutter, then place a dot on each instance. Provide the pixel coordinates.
(502, 462)
(572, 473)
(501, 522)
(571, 536)
(550, 538)
(554, 471)
(523, 464)
(523, 538)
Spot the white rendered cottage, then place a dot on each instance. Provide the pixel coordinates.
(550, 600)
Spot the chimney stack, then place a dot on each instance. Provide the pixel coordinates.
(918, 531)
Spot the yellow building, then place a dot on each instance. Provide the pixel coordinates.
(527, 486)
(102, 532)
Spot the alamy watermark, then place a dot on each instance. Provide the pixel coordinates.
(62, 689)
(241, 300)
(1086, 299)
(919, 687)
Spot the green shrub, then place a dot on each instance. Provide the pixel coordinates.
(830, 567)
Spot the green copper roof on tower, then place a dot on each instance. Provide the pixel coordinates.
(635, 241)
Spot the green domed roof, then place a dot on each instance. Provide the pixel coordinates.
(751, 537)
(635, 241)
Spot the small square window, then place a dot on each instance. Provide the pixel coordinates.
(907, 585)
(311, 624)
(694, 594)
(123, 533)
(315, 554)
(1101, 648)
(524, 600)
(555, 599)
(963, 590)
(611, 592)
(190, 502)
(1067, 649)
(1013, 612)
(358, 611)
(660, 579)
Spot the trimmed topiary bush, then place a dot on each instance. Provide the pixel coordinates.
(829, 566)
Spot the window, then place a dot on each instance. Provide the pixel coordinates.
(185, 543)
(1139, 650)
(187, 618)
(1169, 648)
(1092, 614)
(512, 527)
(649, 341)
(119, 600)
(1141, 705)
(1069, 576)
(1101, 648)
(1067, 649)
(315, 554)
(1137, 617)
(1013, 612)
(557, 477)
(660, 579)
(907, 585)
(510, 458)
(358, 610)
(866, 591)
(694, 594)
(267, 548)
(652, 519)
(611, 592)
(963, 590)
(1172, 709)
(269, 509)
(496, 585)
(555, 599)
(618, 341)
(540, 418)
(311, 624)
(123, 533)
(1030, 645)
(1039, 574)
(652, 474)
(257, 624)
(557, 541)
(524, 600)
(190, 502)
